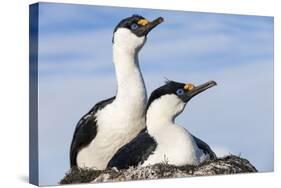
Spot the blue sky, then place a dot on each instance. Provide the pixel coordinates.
(76, 71)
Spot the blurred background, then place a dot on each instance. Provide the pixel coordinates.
(76, 71)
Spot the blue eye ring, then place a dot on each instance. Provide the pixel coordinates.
(134, 26)
(180, 91)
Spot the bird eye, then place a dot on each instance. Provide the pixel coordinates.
(134, 26)
(180, 92)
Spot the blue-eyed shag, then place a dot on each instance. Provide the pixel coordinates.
(164, 141)
(114, 122)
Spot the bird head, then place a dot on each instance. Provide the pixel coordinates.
(171, 98)
(131, 32)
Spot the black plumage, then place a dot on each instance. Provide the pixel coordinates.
(204, 147)
(127, 22)
(135, 152)
(169, 88)
(86, 130)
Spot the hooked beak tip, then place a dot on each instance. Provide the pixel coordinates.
(160, 19)
(213, 83)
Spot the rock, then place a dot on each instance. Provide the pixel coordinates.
(227, 165)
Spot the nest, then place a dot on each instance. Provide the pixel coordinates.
(227, 165)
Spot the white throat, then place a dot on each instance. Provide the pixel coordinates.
(130, 83)
(162, 112)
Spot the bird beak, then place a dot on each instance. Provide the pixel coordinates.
(195, 90)
(150, 25)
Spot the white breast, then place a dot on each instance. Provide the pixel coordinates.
(118, 127)
(175, 146)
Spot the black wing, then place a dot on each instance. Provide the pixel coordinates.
(86, 130)
(205, 147)
(135, 152)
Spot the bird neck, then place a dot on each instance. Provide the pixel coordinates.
(130, 83)
(156, 121)
(163, 111)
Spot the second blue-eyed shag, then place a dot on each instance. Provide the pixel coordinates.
(164, 141)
